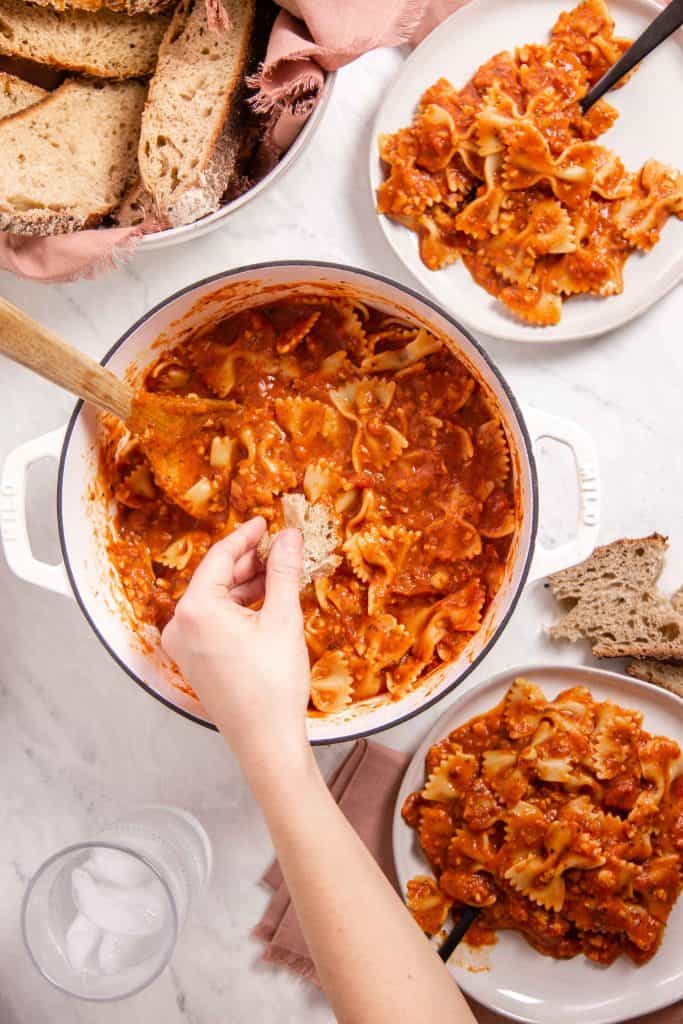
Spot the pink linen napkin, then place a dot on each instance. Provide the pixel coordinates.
(365, 787)
(308, 36)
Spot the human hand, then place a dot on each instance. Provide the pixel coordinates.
(249, 668)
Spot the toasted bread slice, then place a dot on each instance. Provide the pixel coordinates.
(98, 43)
(668, 676)
(66, 160)
(16, 94)
(615, 603)
(119, 6)
(320, 533)
(190, 134)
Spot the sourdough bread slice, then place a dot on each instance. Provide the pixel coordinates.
(190, 133)
(614, 602)
(670, 677)
(98, 43)
(320, 533)
(136, 207)
(15, 94)
(120, 6)
(66, 160)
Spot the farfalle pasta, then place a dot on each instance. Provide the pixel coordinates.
(341, 406)
(560, 819)
(505, 174)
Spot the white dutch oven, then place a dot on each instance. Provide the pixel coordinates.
(87, 574)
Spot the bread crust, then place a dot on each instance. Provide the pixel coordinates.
(129, 7)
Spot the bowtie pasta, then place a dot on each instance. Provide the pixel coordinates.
(365, 413)
(561, 819)
(506, 175)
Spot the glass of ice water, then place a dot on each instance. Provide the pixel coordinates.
(101, 918)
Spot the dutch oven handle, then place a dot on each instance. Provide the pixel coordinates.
(548, 560)
(24, 564)
(13, 527)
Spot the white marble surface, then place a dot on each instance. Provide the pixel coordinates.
(80, 743)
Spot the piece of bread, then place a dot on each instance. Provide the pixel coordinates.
(670, 677)
(120, 6)
(98, 43)
(321, 537)
(16, 94)
(136, 208)
(66, 160)
(614, 602)
(190, 133)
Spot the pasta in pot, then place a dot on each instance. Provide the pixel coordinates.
(561, 819)
(505, 174)
(364, 413)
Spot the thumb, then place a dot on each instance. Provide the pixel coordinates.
(283, 570)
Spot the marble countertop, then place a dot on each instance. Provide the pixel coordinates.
(80, 743)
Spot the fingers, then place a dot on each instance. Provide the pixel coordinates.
(282, 576)
(250, 591)
(217, 568)
(246, 568)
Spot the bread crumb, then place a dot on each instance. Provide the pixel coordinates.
(320, 533)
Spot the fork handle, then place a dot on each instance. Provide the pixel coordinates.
(27, 342)
(666, 22)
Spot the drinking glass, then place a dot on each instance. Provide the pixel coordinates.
(101, 918)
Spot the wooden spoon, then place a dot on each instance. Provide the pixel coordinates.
(163, 424)
(667, 21)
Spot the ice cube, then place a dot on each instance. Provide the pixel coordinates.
(119, 867)
(81, 938)
(119, 952)
(136, 910)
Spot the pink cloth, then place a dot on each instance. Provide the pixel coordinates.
(308, 36)
(327, 34)
(66, 257)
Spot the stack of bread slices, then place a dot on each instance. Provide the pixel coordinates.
(148, 116)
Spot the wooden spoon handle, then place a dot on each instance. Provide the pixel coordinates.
(29, 343)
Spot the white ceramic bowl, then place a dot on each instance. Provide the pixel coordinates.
(212, 221)
(88, 575)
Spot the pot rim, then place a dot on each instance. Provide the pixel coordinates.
(502, 382)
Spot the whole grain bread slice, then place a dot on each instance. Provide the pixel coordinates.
(120, 6)
(98, 43)
(668, 676)
(66, 160)
(190, 133)
(320, 533)
(613, 600)
(16, 94)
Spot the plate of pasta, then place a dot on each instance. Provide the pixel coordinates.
(551, 798)
(521, 215)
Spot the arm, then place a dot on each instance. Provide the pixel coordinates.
(251, 670)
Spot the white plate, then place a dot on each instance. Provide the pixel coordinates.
(648, 126)
(511, 977)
